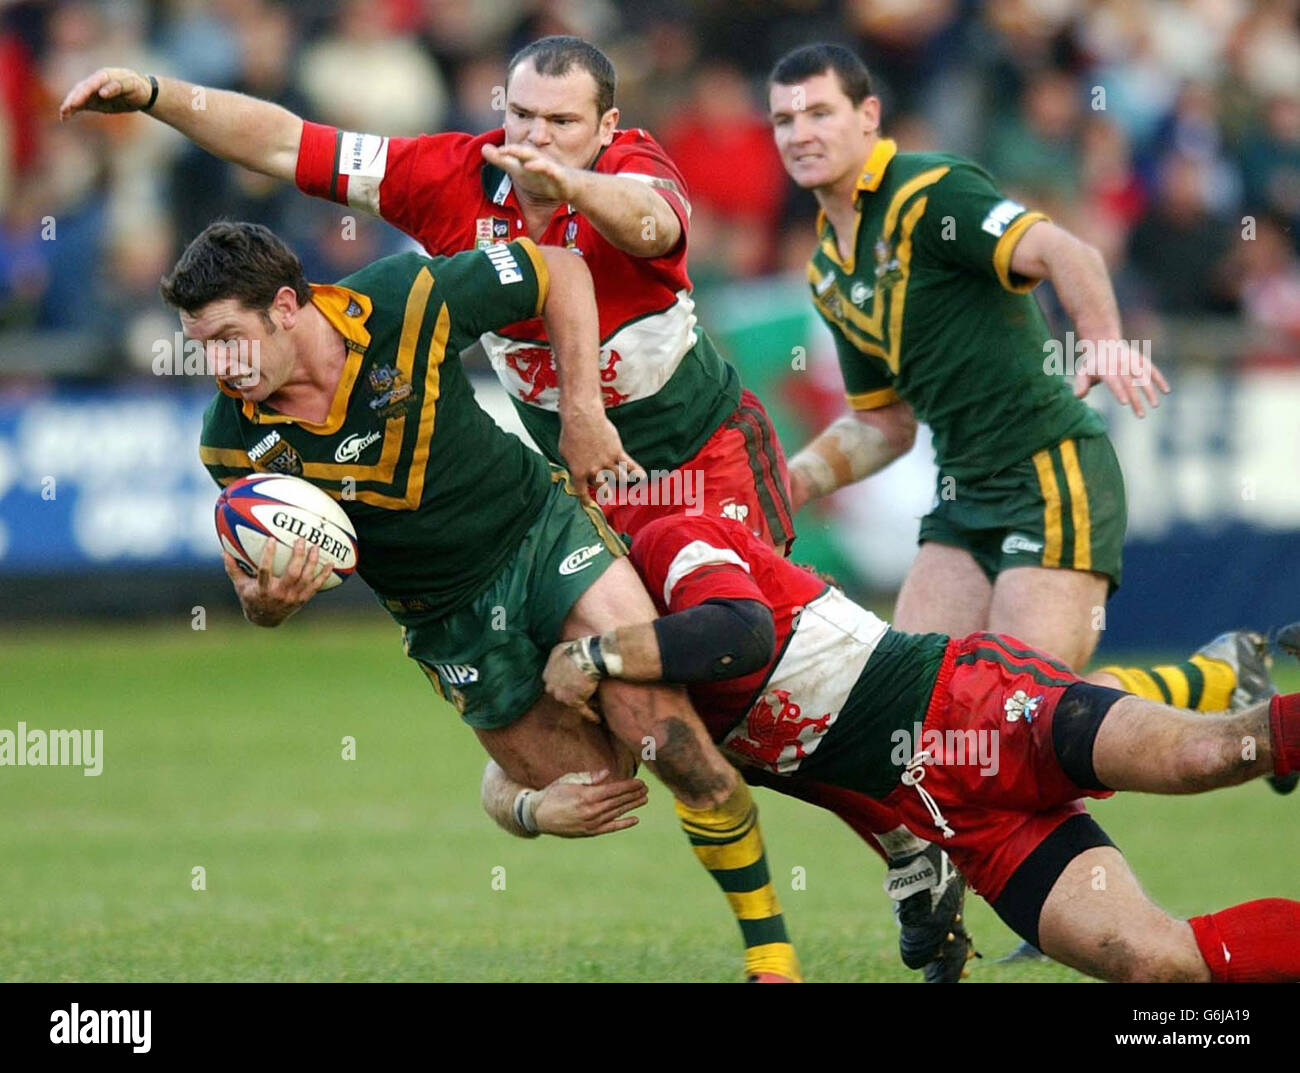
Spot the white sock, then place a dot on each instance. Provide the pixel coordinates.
(900, 842)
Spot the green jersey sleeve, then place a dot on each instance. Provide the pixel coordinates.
(490, 288)
(968, 222)
(221, 450)
(868, 383)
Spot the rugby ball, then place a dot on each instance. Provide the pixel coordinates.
(270, 506)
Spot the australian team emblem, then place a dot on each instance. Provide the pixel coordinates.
(888, 271)
(390, 392)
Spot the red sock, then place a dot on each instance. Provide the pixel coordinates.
(1252, 943)
(1284, 729)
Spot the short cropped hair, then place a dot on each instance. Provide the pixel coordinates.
(238, 260)
(555, 56)
(811, 60)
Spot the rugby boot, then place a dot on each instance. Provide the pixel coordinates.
(929, 896)
(1247, 653)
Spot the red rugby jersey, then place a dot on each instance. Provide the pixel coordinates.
(814, 708)
(439, 189)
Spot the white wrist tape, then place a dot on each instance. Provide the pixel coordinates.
(525, 810)
(580, 652)
(816, 471)
(613, 661)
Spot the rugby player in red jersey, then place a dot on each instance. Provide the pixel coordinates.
(560, 172)
(982, 743)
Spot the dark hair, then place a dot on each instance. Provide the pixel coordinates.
(811, 60)
(232, 259)
(554, 56)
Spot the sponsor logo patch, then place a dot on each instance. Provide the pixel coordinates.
(503, 260)
(457, 674)
(902, 882)
(364, 155)
(580, 559)
(273, 454)
(1019, 542)
(1020, 705)
(995, 223)
(350, 449)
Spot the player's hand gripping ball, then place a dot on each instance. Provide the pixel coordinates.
(268, 506)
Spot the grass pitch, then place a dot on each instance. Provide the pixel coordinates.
(223, 750)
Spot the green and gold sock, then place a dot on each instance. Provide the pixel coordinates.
(1200, 683)
(728, 842)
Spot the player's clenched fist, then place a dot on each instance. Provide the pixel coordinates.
(110, 89)
(269, 600)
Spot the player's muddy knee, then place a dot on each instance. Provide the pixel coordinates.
(1165, 967)
(1156, 956)
(1204, 762)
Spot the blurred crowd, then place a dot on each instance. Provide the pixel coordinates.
(1166, 132)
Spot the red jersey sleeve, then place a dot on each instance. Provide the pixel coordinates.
(685, 561)
(636, 155)
(419, 185)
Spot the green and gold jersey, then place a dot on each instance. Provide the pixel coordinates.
(440, 496)
(927, 310)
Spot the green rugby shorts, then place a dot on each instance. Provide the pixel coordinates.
(1061, 508)
(487, 658)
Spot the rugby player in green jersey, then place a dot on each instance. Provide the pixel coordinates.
(922, 273)
(561, 172)
(481, 551)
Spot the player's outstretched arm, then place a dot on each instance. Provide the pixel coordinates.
(850, 449)
(244, 130)
(1078, 273)
(581, 804)
(710, 642)
(629, 214)
(589, 442)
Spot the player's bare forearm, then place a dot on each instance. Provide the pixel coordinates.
(589, 442)
(573, 328)
(708, 642)
(1078, 272)
(628, 213)
(851, 449)
(499, 793)
(634, 650)
(243, 130)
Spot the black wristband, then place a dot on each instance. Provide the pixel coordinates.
(153, 81)
(598, 657)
